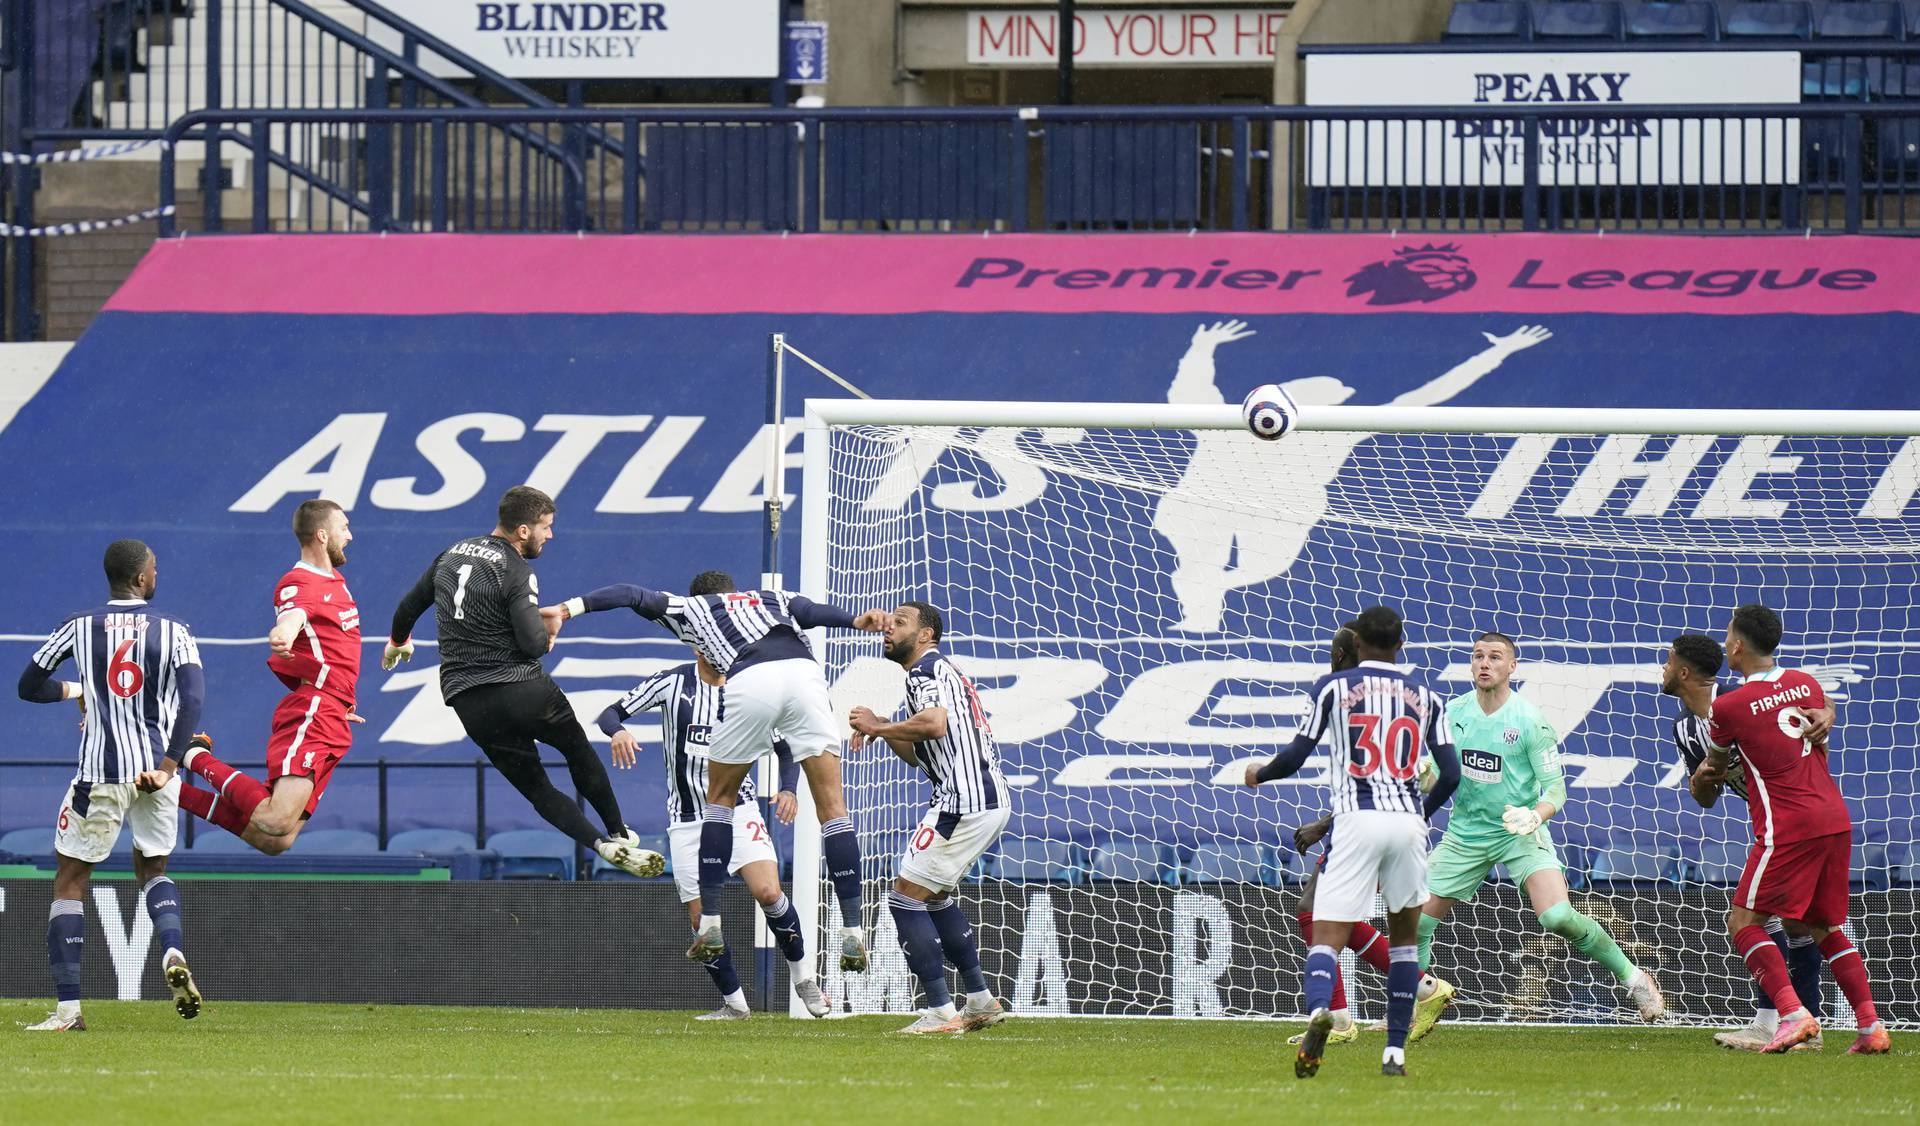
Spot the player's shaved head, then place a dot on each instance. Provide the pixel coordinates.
(711, 582)
(1758, 626)
(1700, 653)
(126, 565)
(1513, 647)
(1380, 630)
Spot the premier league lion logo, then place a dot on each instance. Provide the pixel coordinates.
(1424, 273)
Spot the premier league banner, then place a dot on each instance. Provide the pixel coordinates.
(413, 379)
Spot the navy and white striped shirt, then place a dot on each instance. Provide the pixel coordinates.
(140, 671)
(1377, 722)
(690, 711)
(1690, 735)
(964, 763)
(733, 631)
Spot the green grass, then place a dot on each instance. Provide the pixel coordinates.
(348, 1063)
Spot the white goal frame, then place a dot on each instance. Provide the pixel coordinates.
(822, 415)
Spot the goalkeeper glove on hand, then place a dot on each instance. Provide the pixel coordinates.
(1520, 821)
(395, 654)
(1428, 775)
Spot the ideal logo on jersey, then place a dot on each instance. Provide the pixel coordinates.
(1481, 766)
(1423, 273)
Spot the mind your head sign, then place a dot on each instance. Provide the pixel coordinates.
(1605, 148)
(648, 39)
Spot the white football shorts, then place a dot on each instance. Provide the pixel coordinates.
(944, 847)
(752, 841)
(92, 812)
(788, 697)
(1372, 850)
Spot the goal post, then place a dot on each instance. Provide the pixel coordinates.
(1144, 592)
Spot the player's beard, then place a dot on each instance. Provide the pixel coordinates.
(900, 651)
(336, 555)
(529, 550)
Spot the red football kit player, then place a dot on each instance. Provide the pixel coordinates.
(315, 645)
(1803, 834)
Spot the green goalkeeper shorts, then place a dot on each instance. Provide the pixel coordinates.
(1458, 866)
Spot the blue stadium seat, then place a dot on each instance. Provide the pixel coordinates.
(207, 839)
(1773, 19)
(1715, 862)
(533, 854)
(1872, 868)
(1576, 19)
(1492, 20)
(1146, 861)
(1630, 864)
(1236, 861)
(1026, 858)
(28, 842)
(336, 842)
(433, 842)
(1912, 21)
(1686, 20)
(1837, 78)
(1861, 19)
(601, 870)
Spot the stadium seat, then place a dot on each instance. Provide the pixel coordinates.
(1836, 78)
(207, 839)
(601, 870)
(1026, 858)
(28, 842)
(433, 842)
(1576, 19)
(1491, 20)
(1632, 865)
(1234, 861)
(1861, 19)
(1718, 862)
(1147, 861)
(533, 854)
(1872, 868)
(1773, 19)
(1912, 20)
(336, 842)
(1685, 20)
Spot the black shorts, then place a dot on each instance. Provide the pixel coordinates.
(507, 719)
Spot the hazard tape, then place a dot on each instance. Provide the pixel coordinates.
(82, 226)
(97, 152)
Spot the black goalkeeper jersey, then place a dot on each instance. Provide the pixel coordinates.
(486, 602)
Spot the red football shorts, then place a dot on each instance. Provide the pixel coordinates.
(1805, 880)
(310, 736)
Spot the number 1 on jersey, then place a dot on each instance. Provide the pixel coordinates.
(460, 592)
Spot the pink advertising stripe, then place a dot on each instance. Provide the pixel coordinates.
(1239, 274)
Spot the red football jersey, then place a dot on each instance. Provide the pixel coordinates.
(1789, 791)
(327, 652)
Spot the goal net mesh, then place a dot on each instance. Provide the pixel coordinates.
(1143, 611)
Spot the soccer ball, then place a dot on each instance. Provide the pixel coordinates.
(1269, 412)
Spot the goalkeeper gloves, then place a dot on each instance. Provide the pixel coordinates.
(1520, 821)
(395, 654)
(1429, 773)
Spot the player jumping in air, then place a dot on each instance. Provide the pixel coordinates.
(140, 692)
(1510, 785)
(689, 697)
(1377, 721)
(1803, 834)
(1693, 664)
(486, 603)
(773, 684)
(1368, 945)
(314, 648)
(947, 736)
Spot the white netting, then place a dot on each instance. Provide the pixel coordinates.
(1143, 610)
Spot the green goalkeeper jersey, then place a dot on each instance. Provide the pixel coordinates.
(1508, 758)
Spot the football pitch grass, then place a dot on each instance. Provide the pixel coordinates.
(287, 1063)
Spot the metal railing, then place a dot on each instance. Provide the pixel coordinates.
(1848, 167)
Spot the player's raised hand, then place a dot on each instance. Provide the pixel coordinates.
(355, 717)
(1252, 777)
(1221, 332)
(1520, 821)
(1427, 775)
(1519, 340)
(785, 807)
(864, 722)
(1815, 723)
(625, 745)
(394, 654)
(873, 621)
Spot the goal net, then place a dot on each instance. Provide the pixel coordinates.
(1143, 594)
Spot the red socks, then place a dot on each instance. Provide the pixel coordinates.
(1370, 946)
(234, 799)
(1850, 970)
(1769, 967)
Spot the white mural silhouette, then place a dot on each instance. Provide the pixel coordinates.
(1242, 511)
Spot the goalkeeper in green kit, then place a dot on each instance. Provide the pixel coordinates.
(1510, 785)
